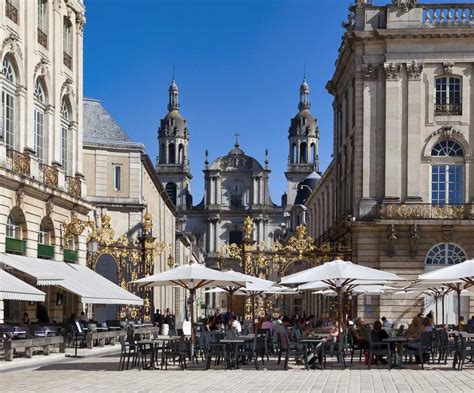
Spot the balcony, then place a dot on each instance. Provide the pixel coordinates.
(67, 60)
(73, 185)
(11, 11)
(15, 246)
(42, 38)
(18, 162)
(45, 251)
(425, 211)
(70, 255)
(49, 175)
(448, 109)
(447, 15)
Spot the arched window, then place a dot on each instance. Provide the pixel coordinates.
(448, 95)
(293, 153)
(445, 254)
(447, 173)
(303, 153)
(171, 190)
(40, 102)
(171, 154)
(9, 98)
(181, 154)
(447, 148)
(66, 151)
(313, 152)
(15, 232)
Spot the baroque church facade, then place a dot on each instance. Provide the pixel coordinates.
(236, 184)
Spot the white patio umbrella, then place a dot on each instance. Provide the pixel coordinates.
(192, 277)
(456, 277)
(339, 275)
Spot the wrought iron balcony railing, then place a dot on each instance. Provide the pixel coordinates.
(73, 185)
(11, 11)
(18, 162)
(42, 38)
(67, 60)
(448, 109)
(416, 211)
(49, 175)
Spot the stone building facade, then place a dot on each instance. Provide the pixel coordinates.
(123, 185)
(41, 174)
(398, 190)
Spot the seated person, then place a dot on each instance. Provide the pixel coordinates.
(25, 320)
(414, 330)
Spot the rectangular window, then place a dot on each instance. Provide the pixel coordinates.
(39, 144)
(448, 96)
(117, 177)
(42, 237)
(8, 120)
(446, 185)
(65, 151)
(11, 230)
(67, 43)
(42, 23)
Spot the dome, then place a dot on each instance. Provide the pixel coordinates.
(236, 160)
(303, 124)
(173, 86)
(173, 124)
(306, 187)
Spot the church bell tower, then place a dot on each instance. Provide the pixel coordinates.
(303, 141)
(172, 162)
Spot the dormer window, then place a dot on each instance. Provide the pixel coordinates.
(448, 97)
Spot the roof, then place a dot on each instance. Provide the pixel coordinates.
(101, 129)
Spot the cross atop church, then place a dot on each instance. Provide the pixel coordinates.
(237, 139)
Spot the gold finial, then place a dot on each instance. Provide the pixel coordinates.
(147, 223)
(248, 227)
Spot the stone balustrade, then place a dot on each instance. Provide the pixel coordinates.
(447, 15)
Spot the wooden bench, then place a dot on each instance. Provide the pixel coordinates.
(30, 343)
(145, 330)
(102, 336)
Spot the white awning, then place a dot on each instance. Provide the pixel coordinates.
(78, 279)
(12, 288)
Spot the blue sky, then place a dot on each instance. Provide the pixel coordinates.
(238, 64)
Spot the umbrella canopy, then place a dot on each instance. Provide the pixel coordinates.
(192, 276)
(361, 290)
(339, 273)
(463, 271)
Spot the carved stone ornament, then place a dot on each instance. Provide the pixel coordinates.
(447, 233)
(391, 239)
(369, 71)
(414, 237)
(42, 68)
(362, 3)
(392, 71)
(67, 87)
(19, 196)
(49, 206)
(11, 44)
(414, 70)
(405, 5)
(448, 66)
(80, 21)
(447, 131)
(234, 161)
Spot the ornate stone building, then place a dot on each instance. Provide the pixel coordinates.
(126, 191)
(398, 191)
(41, 174)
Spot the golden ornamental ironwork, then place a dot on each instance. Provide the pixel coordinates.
(249, 227)
(300, 243)
(425, 211)
(20, 162)
(147, 223)
(75, 227)
(50, 175)
(74, 186)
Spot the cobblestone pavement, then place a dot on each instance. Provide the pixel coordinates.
(99, 373)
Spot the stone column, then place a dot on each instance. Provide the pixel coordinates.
(415, 89)
(218, 190)
(212, 198)
(393, 132)
(255, 190)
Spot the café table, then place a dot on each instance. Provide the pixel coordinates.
(314, 341)
(233, 345)
(155, 344)
(398, 342)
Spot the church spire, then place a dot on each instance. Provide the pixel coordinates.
(304, 95)
(173, 104)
